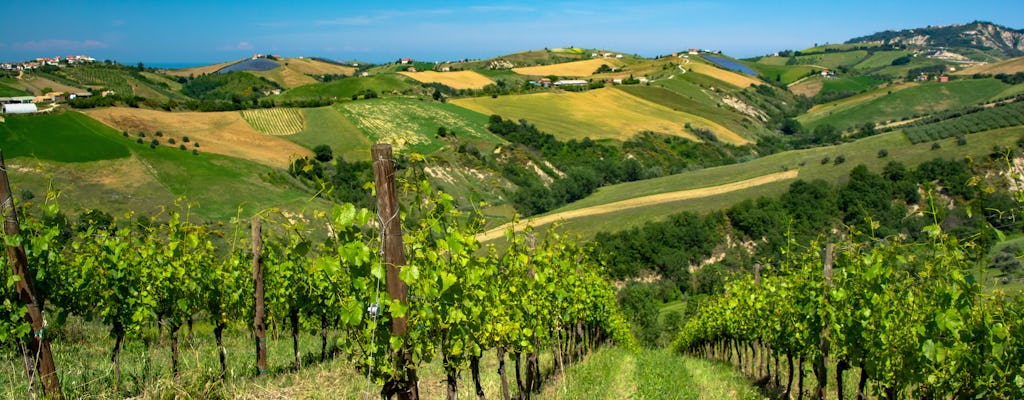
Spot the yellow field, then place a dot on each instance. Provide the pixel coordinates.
(455, 80)
(606, 113)
(807, 87)
(196, 71)
(275, 121)
(217, 132)
(575, 68)
(733, 78)
(285, 76)
(656, 199)
(316, 67)
(1011, 66)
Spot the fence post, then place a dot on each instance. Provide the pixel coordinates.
(259, 320)
(39, 343)
(405, 384)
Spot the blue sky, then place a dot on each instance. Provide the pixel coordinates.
(212, 31)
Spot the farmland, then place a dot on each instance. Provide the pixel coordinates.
(275, 121)
(569, 69)
(455, 80)
(328, 125)
(196, 71)
(224, 133)
(606, 113)
(64, 137)
(411, 125)
(880, 106)
(346, 88)
(733, 78)
(1010, 66)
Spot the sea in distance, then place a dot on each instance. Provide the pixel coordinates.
(179, 65)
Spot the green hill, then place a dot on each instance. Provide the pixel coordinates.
(63, 137)
(348, 87)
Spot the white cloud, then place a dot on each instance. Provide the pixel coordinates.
(350, 21)
(59, 44)
(243, 45)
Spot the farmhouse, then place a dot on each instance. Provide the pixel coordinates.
(16, 100)
(19, 108)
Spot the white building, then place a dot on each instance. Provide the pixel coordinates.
(20, 108)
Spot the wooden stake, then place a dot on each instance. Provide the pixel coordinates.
(405, 384)
(259, 321)
(39, 343)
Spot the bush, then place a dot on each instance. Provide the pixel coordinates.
(195, 152)
(961, 140)
(139, 141)
(170, 140)
(936, 146)
(840, 160)
(182, 147)
(184, 139)
(142, 134)
(159, 134)
(883, 153)
(825, 160)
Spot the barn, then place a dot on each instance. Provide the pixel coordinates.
(20, 108)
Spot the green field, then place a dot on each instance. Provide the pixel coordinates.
(345, 88)
(784, 74)
(880, 59)
(849, 84)
(807, 162)
(410, 124)
(722, 115)
(327, 125)
(63, 137)
(833, 60)
(918, 100)
(7, 91)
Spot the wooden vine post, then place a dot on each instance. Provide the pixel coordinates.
(39, 344)
(259, 321)
(821, 364)
(404, 382)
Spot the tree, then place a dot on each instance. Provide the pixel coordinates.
(791, 126)
(323, 153)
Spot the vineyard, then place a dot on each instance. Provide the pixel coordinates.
(978, 120)
(905, 315)
(275, 121)
(410, 124)
(325, 272)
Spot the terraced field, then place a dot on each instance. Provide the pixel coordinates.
(275, 121)
(455, 80)
(607, 113)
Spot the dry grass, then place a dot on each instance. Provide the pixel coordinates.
(224, 133)
(455, 80)
(196, 71)
(285, 76)
(807, 87)
(606, 113)
(316, 67)
(733, 78)
(35, 84)
(641, 202)
(575, 68)
(1011, 66)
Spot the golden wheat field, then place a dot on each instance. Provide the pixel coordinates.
(733, 78)
(275, 121)
(224, 133)
(606, 113)
(455, 80)
(196, 71)
(575, 68)
(1011, 66)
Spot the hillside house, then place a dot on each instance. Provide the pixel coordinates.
(406, 60)
(19, 108)
(693, 51)
(943, 79)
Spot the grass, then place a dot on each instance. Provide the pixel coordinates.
(569, 69)
(848, 84)
(34, 83)
(8, 91)
(63, 137)
(606, 113)
(412, 125)
(732, 120)
(1010, 66)
(784, 74)
(614, 373)
(327, 125)
(807, 162)
(285, 76)
(454, 80)
(913, 100)
(275, 121)
(880, 59)
(833, 60)
(345, 88)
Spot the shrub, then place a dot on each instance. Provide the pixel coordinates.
(159, 134)
(142, 134)
(139, 140)
(840, 160)
(883, 153)
(825, 160)
(936, 146)
(182, 147)
(184, 139)
(961, 140)
(195, 152)
(170, 140)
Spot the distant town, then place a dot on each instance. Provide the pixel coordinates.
(40, 62)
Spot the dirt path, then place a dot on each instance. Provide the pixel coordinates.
(641, 202)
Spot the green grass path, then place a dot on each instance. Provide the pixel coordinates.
(613, 373)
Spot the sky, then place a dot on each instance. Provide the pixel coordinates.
(214, 31)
